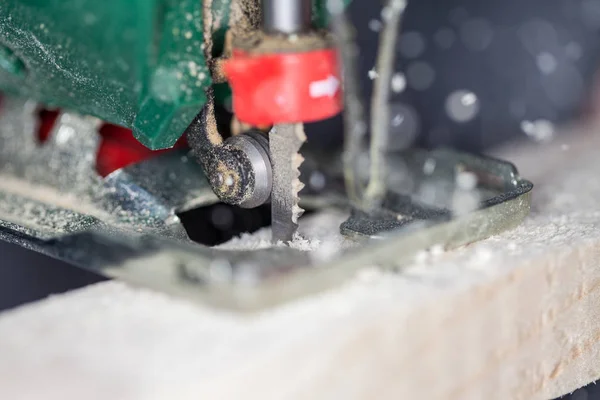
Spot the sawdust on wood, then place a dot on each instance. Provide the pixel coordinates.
(512, 317)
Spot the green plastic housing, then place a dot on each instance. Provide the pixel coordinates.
(135, 63)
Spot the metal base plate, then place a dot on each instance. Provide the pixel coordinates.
(125, 226)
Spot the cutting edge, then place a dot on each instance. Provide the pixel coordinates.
(285, 141)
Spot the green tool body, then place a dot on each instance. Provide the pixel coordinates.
(140, 64)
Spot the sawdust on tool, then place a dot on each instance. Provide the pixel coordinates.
(49, 195)
(260, 42)
(211, 124)
(208, 28)
(245, 16)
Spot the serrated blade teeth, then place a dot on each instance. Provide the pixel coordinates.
(284, 145)
(297, 212)
(297, 161)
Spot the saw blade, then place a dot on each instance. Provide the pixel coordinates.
(284, 144)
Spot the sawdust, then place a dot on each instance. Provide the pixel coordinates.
(212, 129)
(49, 195)
(258, 42)
(245, 16)
(317, 233)
(208, 22)
(262, 240)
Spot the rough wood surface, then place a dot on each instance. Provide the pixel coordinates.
(514, 317)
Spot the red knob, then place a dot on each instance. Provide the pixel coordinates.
(275, 88)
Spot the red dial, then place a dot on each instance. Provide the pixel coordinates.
(275, 88)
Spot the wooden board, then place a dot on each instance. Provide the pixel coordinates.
(514, 317)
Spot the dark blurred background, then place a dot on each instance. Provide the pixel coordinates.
(475, 73)
(470, 73)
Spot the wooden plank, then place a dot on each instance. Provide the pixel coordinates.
(516, 316)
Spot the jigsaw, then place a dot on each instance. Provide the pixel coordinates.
(119, 116)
